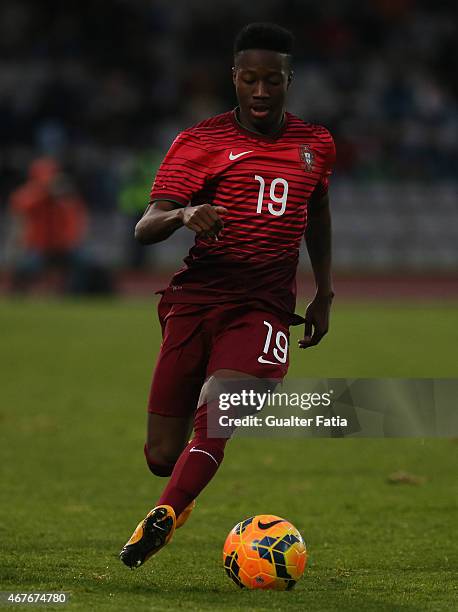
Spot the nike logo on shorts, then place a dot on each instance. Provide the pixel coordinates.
(262, 360)
(233, 156)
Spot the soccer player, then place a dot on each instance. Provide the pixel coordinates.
(249, 183)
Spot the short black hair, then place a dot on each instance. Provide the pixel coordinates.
(269, 36)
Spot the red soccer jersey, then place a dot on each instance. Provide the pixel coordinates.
(265, 184)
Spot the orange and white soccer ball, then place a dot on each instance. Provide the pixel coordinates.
(265, 552)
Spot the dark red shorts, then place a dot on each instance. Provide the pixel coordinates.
(198, 340)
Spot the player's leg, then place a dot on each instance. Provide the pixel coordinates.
(175, 387)
(165, 441)
(201, 458)
(204, 453)
(174, 393)
(263, 359)
(166, 437)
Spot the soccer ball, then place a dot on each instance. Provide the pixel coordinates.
(264, 552)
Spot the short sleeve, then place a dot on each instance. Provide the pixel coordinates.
(322, 186)
(184, 171)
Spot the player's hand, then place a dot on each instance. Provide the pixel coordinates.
(205, 220)
(316, 320)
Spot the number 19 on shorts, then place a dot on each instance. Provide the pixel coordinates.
(275, 346)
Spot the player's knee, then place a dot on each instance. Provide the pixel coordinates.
(159, 469)
(159, 463)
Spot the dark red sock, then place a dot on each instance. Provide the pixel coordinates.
(195, 467)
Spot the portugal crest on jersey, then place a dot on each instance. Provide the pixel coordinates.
(307, 157)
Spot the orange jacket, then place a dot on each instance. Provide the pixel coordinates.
(50, 223)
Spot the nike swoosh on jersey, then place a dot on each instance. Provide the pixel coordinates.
(262, 360)
(269, 525)
(233, 156)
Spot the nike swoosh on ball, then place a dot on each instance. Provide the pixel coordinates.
(269, 525)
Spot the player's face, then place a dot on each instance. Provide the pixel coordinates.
(261, 80)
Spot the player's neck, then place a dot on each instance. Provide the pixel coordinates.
(271, 132)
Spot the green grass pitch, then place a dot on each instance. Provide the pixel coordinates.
(74, 484)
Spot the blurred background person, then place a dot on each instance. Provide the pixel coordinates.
(51, 226)
(140, 172)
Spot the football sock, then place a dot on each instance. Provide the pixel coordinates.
(195, 467)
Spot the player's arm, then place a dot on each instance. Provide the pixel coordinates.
(163, 217)
(318, 242)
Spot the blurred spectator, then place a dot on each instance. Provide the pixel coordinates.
(52, 225)
(133, 200)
